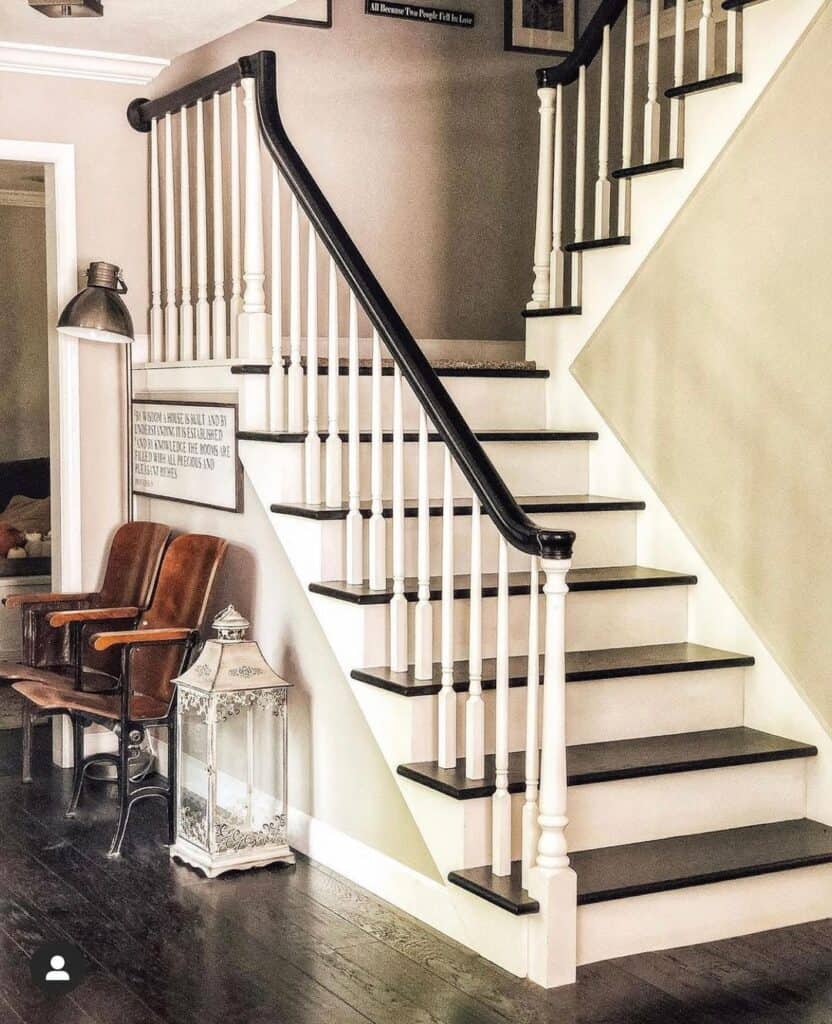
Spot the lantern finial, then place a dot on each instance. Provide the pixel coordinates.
(230, 625)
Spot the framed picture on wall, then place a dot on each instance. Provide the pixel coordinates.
(541, 26)
(312, 13)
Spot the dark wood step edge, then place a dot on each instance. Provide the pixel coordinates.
(703, 85)
(659, 165)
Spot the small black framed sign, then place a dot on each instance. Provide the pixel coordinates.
(187, 452)
(541, 26)
(418, 12)
(311, 13)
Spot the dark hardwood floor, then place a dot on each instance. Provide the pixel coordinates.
(301, 945)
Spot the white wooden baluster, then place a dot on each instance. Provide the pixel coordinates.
(157, 331)
(530, 830)
(253, 336)
(652, 109)
(312, 445)
(707, 40)
(543, 227)
(377, 532)
(677, 104)
(277, 375)
(553, 938)
(501, 801)
(447, 695)
(236, 302)
(603, 187)
(295, 375)
(186, 309)
(218, 308)
(423, 622)
(354, 528)
(625, 184)
(556, 260)
(333, 438)
(733, 26)
(203, 310)
(580, 178)
(398, 603)
(171, 312)
(474, 706)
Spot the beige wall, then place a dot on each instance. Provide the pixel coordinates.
(714, 368)
(24, 377)
(111, 219)
(425, 141)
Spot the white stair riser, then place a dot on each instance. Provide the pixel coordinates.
(524, 466)
(603, 538)
(485, 402)
(594, 619)
(703, 913)
(627, 811)
(597, 711)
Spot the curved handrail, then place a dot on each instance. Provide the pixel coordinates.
(485, 481)
(587, 46)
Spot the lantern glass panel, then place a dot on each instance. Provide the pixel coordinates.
(193, 769)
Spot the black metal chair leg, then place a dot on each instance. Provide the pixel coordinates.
(79, 764)
(123, 792)
(27, 742)
(172, 780)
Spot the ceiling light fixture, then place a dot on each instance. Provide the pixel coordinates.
(69, 8)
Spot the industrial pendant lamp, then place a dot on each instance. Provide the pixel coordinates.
(69, 8)
(98, 312)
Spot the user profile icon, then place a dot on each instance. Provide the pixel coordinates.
(58, 968)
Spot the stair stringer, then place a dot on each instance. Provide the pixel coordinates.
(486, 929)
(770, 32)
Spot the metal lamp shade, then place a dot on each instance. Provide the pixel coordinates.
(98, 313)
(69, 8)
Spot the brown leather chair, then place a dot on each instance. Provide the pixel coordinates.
(132, 567)
(152, 654)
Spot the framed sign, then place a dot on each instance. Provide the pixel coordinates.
(417, 12)
(312, 13)
(541, 26)
(187, 452)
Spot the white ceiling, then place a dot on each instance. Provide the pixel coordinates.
(150, 28)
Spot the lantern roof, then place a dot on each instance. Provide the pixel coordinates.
(230, 662)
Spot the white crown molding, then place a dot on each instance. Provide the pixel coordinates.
(123, 68)
(17, 197)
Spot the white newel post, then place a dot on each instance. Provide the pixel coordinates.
(545, 179)
(254, 324)
(556, 260)
(157, 330)
(552, 882)
(530, 827)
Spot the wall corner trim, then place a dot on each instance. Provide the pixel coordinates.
(122, 68)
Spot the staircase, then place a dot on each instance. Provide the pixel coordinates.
(584, 772)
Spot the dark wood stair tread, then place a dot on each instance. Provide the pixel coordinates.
(532, 314)
(443, 368)
(462, 506)
(597, 243)
(581, 666)
(615, 760)
(628, 577)
(412, 436)
(716, 82)
(675, 163)
(664, 865)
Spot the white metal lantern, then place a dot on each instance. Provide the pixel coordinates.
(231, 756)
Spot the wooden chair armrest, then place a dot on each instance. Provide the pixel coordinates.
(21, 600)
(57, 619)
(136, 637)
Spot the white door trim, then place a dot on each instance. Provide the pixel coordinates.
(64, 402)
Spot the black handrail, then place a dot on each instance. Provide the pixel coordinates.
(497, 501)
(587, 46)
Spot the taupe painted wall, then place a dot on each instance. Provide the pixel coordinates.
(111, 184)
(24, 376)
(425, 141)
(714, 368)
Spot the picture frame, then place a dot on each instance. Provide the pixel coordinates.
(541, 26)
(306, 13)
